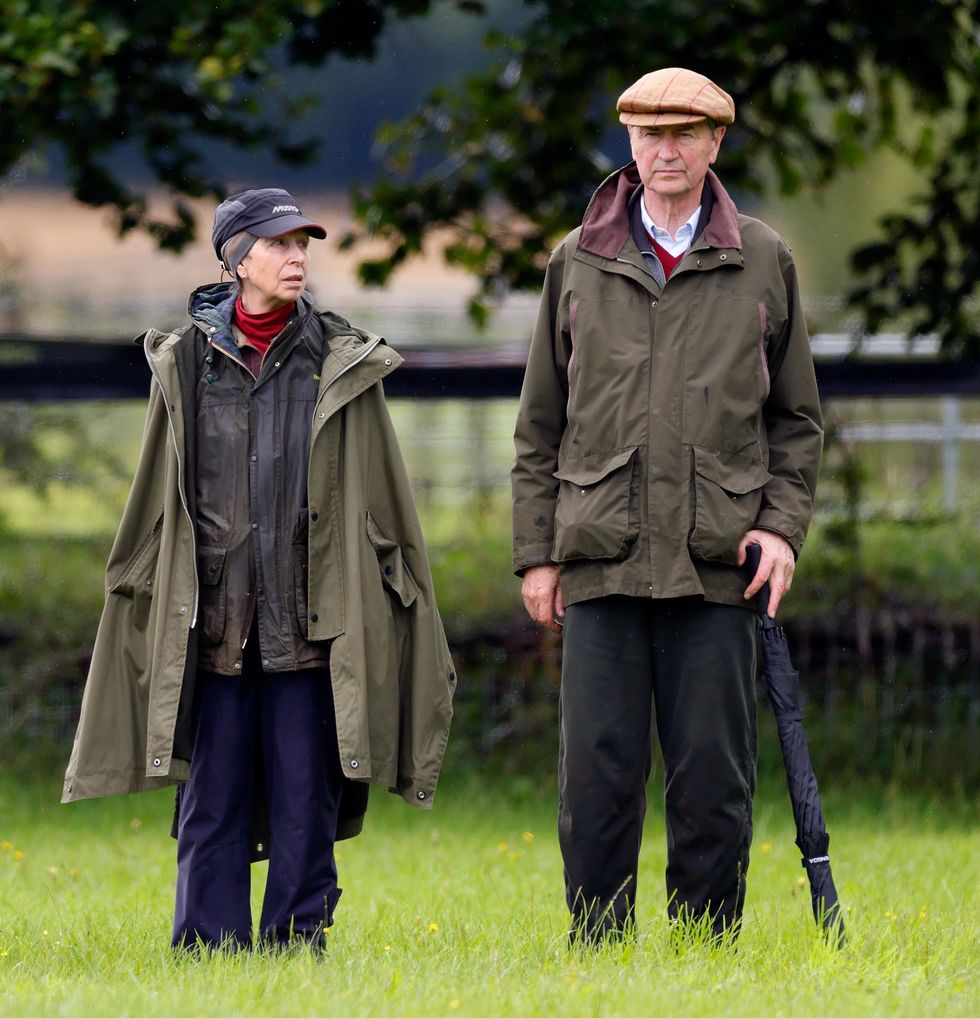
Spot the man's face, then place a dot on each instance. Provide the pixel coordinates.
(673, 159)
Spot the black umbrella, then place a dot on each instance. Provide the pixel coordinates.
(783, 687)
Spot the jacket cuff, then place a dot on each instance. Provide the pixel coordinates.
(533, 555)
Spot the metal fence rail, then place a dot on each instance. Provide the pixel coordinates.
(37, 369)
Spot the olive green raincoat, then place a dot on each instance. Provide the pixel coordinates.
(370, 593)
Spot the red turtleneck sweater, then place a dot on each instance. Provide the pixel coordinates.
(261, 329)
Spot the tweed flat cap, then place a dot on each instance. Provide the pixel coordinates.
(674, 95)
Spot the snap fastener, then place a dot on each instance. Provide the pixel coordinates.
(421, 795)
(653, 303)
(238, 665)
(322, 415)
(209, 377)
(183, 609)
(354, 765)
(388, 570)
(255, 526)
(156, 761)
(314, 516)
(724, 258)
(279, 362)
(388, 361)
(259, 847)
(700, 263)
(314, 617)
(266, 662)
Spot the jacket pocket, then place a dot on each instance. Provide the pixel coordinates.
(210, 571)
(394, 570)
(138, 573)
(727, 499)
(596, 515)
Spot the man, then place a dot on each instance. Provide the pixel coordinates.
(669, 418)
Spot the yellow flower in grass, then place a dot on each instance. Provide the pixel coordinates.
(454, 1004)
(527, 837)
(18, 855)
(501, 847)
(766, 847)
(433, 927)
(5, 846)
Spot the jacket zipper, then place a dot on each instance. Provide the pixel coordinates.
(180, 477)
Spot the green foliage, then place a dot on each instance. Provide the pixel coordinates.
(41, 445)
(507, 162)
(168, 78)
(460, 911)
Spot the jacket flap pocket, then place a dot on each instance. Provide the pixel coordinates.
(394, 570)
(732, 471)
(138, 570)
(590, 469)
(211, 562)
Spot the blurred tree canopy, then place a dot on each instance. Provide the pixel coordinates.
(90, 77)
(507, 162)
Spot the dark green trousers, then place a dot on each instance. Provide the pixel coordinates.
(694, 664)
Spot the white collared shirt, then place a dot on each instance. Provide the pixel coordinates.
(674, 245)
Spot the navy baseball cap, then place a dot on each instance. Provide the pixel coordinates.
(264, 212)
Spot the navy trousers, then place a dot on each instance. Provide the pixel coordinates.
(694, 663)
(284, 723)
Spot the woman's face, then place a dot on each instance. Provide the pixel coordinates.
(273, 273)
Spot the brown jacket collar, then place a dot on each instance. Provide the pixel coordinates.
(606, 225)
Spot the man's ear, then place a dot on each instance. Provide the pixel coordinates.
(719, 133)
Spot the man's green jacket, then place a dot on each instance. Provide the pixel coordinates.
(658, 424)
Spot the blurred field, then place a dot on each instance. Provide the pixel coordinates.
(63, 271)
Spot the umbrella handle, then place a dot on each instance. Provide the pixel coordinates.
(753, 553)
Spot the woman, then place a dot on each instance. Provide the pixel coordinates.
(270, 637)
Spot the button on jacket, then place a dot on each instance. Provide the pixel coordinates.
(661, 420)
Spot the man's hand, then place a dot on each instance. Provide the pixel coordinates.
(776, 564)
(542, 596)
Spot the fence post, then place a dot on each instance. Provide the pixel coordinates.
(951, 451)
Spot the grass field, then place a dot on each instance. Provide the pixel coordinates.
(459, 911)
